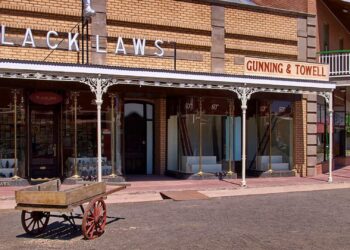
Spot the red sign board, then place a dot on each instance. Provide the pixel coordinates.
(45, 98)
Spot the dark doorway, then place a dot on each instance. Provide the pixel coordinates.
(138, 141)
(44, 127)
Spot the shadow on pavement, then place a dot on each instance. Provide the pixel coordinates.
(63, 230)
(233, 183)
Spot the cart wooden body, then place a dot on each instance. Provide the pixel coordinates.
(39, 201)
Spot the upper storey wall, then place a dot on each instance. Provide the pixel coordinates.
(206, 37)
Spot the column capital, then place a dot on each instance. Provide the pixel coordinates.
(244, 94)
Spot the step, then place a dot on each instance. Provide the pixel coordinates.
(195, 159)
(280, 166)
(208, 168)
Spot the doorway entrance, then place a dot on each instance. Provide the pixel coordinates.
(44, 127)
(138, 125)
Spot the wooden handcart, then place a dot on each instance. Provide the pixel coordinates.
(40, 201)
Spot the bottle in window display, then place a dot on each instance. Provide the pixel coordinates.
(7, 165)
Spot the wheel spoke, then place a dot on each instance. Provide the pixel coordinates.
(30, 224)
(92, 226)
(33, 227)
(41, 222)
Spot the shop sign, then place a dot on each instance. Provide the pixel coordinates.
(286, 69)
(45, 98)
(28, 40)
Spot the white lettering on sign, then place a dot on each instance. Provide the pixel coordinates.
(157, 43)
(189, 105)
(215, 106)
(48, 36)
(98, 49)
(3, 35)
(120, 46)
(72, 40)
(28, 38)
(139, 45)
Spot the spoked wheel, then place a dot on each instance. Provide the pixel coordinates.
(35, 222)
(94, 220)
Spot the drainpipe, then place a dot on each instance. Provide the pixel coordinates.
(330, 108)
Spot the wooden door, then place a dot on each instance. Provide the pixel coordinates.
(44, 127)
(135, 139)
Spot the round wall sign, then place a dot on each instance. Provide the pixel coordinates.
(45, 98)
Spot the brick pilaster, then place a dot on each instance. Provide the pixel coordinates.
(300, 139)
(218, 39)
(160, 127)
(99, 27)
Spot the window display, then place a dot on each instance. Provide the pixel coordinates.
(200, 134)
(80, 137)
(12, 133)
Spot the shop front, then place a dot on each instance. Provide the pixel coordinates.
(77, 121)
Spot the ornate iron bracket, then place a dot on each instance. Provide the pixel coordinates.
(326, 95)
(99, 86)
(244, 94)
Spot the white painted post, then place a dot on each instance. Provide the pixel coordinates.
(330, 108)
(244, 94)
(244, 156)
(99, 86)
(244, 99)
(99, 102)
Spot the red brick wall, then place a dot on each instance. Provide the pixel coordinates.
(336, 29)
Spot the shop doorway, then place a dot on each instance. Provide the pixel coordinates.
(138, 138)
(43, 141)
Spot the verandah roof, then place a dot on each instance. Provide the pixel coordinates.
(153, 77)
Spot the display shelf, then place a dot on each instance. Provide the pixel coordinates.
(88, 166)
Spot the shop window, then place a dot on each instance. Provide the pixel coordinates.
(322, 136)
(270, 137)
(202, 135)
(12, 133)
(80, 137)
(339, 97)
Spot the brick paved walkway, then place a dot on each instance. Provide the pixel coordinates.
(147, 188)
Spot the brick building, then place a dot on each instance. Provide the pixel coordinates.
(186, 88)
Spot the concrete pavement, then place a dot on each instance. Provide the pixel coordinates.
(144, 189)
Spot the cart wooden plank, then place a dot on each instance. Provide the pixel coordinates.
(32, 208)
(39, 196)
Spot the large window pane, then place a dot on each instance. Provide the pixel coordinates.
(12, 133)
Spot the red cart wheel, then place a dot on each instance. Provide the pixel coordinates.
(35, 222)
(94, 220)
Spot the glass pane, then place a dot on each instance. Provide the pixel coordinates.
(149, 111)
(259, 148)
(199, 135)
(7, 133)
(281, 136)
(131, 108)
(149, 147)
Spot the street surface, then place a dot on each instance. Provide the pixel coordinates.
(303, 220)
